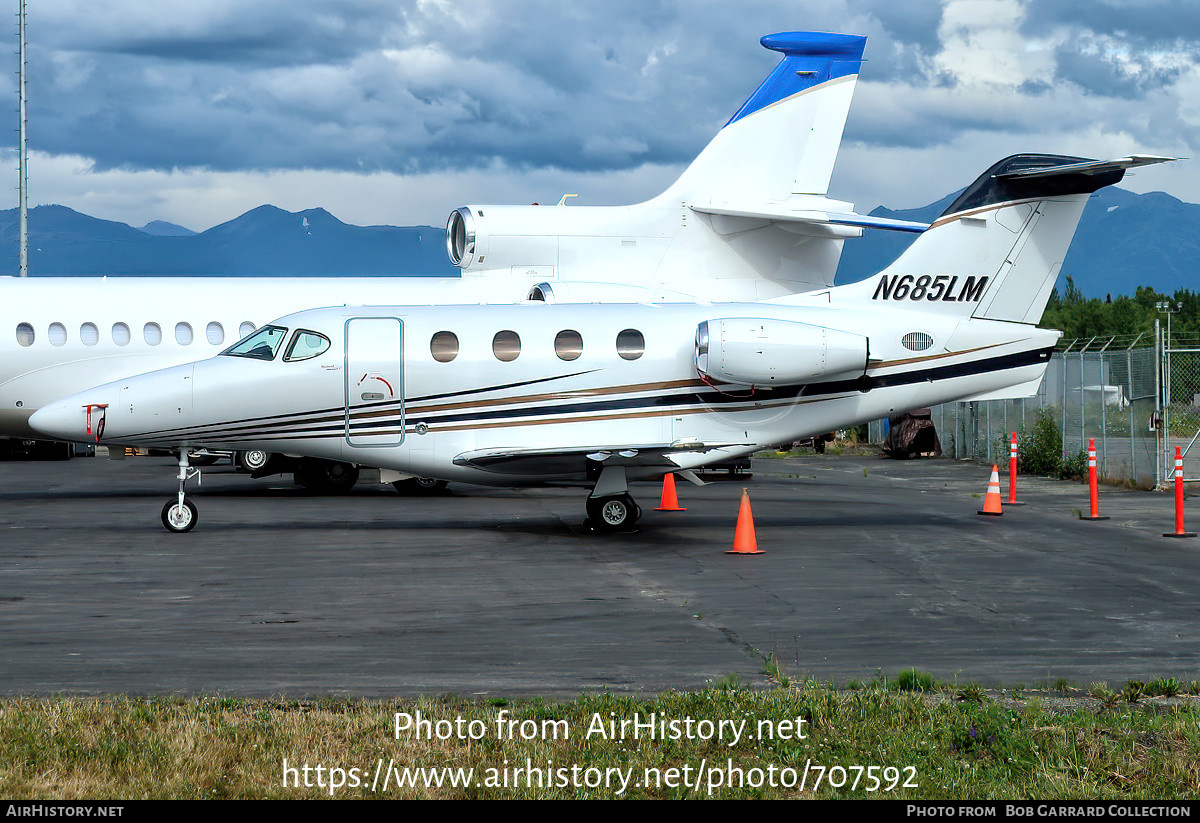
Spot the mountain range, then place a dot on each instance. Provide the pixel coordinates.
(266, 241)
(1125, 240)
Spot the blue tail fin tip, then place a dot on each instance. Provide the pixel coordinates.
(809, 59)
(816, 43)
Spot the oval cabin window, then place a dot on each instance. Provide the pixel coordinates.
(568, 345)
(444, 346)
(631, 344)
(506, 345)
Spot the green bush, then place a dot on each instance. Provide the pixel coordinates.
(1040, 450)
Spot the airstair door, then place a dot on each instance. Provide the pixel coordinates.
(374, 381)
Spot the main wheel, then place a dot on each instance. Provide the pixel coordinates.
(423, 486)
(613, 513)
(252, 460)
(179, 518)
(327, 476)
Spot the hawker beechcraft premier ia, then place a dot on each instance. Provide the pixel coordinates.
(747, 220)
(608, 393)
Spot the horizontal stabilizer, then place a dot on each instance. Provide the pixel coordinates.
(1092, 166)
(778, 214)
(1038, 176)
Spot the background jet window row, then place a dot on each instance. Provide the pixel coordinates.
(506, 345)
(152, 333)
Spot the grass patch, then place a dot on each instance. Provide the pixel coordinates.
(125, 748)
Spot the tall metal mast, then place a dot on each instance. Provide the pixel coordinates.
(23, 149)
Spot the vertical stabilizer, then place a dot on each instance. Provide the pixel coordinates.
(784, 139)
(995, 253)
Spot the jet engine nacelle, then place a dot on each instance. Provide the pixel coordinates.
(766, 352)
(660, 245)
(542, 242)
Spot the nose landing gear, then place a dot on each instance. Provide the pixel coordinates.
(179, 515)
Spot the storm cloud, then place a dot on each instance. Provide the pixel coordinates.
(616, 95)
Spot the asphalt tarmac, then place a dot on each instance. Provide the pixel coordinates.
(869, 566)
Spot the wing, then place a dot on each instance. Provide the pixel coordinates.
(574, 460)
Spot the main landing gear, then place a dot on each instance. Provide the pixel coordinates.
(618, 512)
(179, 515)
(611, 507)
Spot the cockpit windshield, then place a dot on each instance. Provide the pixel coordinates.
(305, 345)
(259, 345)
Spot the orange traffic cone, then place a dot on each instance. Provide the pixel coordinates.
(669, 502)
(744, 541)
(991, 503)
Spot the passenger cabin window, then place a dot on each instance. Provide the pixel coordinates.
(25, 334)
(57, 334)
(152, 333)
(444, 346)
(568, 345)
(245, 329)
(630, 344)
(183, 334)
(506, 345)
(305, 345)
(215, 333)
(89, 335)
(261, 345)
(120, 334)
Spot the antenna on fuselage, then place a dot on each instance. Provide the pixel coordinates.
(23, 151)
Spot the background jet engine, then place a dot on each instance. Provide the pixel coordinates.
(765, 352)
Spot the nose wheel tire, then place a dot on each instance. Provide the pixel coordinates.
(179, 518)
(615, 513)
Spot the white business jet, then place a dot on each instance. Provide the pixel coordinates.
(747, 220)
(608, 393)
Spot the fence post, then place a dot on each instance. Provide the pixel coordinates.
(1160, 414)
(1129, 401)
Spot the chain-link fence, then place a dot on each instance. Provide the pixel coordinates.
(1136, 396)
(1180, 405)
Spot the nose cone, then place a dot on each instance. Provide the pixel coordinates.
(136, 407)
(76, 418)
